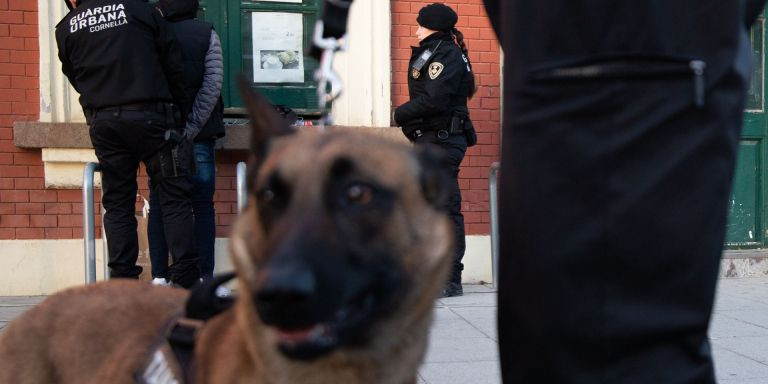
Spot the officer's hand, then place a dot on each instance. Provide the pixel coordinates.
(174, 136)
(189, 134)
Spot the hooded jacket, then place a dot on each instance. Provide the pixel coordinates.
(203, 67)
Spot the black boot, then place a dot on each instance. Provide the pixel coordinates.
(453, 288)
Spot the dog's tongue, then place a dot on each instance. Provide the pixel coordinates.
(298, 335)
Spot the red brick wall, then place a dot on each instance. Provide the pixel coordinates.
(26, 210)
(225, 200)
(484, 107)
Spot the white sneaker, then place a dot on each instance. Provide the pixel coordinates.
(161, 282)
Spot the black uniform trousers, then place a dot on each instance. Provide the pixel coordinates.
(455, 146)
(121, 139)
(612, 222)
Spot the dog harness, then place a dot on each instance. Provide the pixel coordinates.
(171, 359)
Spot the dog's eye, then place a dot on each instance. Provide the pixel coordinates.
(266, 196)
(274, 192)
(359, 194)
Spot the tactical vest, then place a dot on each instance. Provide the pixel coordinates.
(195, 37)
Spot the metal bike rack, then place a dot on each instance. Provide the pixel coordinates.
(242, 190)
(493, 196)
(89, 233)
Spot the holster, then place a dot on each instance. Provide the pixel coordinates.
(176, 158)
(462, 124)
(469, 132)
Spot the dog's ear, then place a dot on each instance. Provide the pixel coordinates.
(434, 177)
(266, 123)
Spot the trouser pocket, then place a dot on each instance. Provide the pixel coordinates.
(631, 69)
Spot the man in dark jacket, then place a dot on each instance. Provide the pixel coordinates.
(204, 74)
(127, 66)
(621, 125)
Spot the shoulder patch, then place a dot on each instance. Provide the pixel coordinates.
(435, 69)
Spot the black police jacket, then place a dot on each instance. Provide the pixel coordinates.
(118, 52)
(440, 87)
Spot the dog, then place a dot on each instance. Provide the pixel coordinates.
(339, 256)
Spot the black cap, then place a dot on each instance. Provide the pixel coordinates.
(437, 17)
(69, 5)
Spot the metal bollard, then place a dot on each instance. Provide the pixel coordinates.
(89, 234)
(242, 190)
(493, 196)
(104, 245)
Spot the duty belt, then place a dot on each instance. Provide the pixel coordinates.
(118, 110)
(439, 133)
(151, 107)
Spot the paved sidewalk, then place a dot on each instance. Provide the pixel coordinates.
(463, 345)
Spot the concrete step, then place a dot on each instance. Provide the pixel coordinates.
(744, 263)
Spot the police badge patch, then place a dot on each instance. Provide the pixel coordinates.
(435, 69)
(416, 74)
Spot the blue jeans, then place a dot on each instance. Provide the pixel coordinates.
(204, 185)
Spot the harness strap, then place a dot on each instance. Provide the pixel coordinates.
(181, 338)
(171, 359)
(163, 366)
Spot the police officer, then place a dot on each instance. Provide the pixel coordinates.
(440, 80)
(128, 69)
(204, 72)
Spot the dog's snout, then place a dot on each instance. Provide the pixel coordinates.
(285, 294)
(286, 284)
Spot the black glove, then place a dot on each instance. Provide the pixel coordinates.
(182, 155)
(414, 129)
(174, 136)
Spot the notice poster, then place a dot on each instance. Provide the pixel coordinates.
(278, 53)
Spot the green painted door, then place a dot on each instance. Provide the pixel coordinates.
(267, 42)
(748, 224)
(283, 31)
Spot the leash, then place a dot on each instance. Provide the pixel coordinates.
(329, 38)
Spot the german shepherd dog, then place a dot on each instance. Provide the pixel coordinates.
(339, 257)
